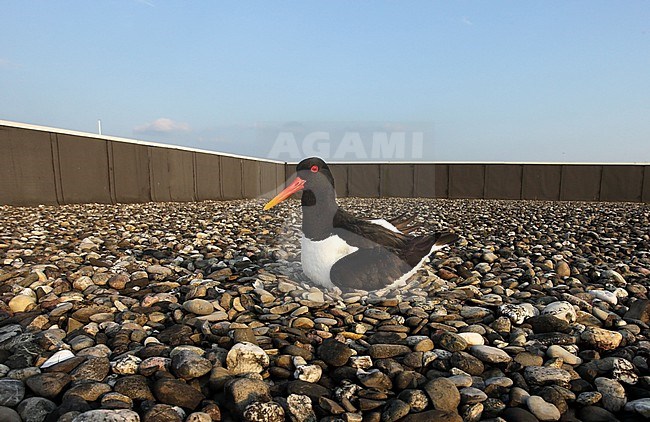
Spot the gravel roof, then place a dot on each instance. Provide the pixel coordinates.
(200, 311)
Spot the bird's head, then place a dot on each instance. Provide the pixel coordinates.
(312, 175)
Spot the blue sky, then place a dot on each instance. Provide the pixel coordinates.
(493, 81)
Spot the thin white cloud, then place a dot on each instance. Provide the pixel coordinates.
(8, 64)
(147, 2)
(466, 21)
(162, 125)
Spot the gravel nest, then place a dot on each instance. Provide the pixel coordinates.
(199, 312)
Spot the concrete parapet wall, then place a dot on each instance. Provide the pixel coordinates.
(51, 166)
(47, 166)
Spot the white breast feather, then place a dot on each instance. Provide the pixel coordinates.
(318, 257)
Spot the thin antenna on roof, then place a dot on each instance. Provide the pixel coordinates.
(99, 126)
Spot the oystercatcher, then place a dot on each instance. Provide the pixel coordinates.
(339, 249)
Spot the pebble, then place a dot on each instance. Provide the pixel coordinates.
(588, 398)
(605, 296)
(299, 408)
(490, 354)
(541, 375)
(164, 412)
(126, 365)
(11, 392)
(264, 412)
(48, 385)
(334, 353)
(177, 393)
(416, 399)
(395, 410)
(640, 406)
(22, 303)
(433, 415)
(188, 365)
(246, 357)
(8, 414)
(601, 338)
(199, 417)
(555, 351)
(518, 313)
(639, 310)
(563, 269)
(613, 393)
(88, 390)
(94, 368)
(135, 387)
(242, 392)
(467, 363)
(103, 415)
(57, 357)
(198, 307)
(382, 351)
(309, 373)
(35, 409)
(472, 395)
(595, 414)
(472, 339)
(517, 414)
(361, 362)
(451, 341)
(548, 324)
(562, 310)
(443, 394)
(543, 410)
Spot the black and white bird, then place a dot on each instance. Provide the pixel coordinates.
(339, 249)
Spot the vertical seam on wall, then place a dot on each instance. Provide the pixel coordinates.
(380, 181)
(259, 179)
(168, 179)
(379, 190)
(521, 185)
(415, 178)
(150, 171)
(195, 184)
(560, 196)
(600, 184)
(242, 188)
(484, 180)
(643, 169)
(56, 166)
(412, 180)
(111, 172)
(150, 190)
(220, 177)
(448, 172)
(284, 177)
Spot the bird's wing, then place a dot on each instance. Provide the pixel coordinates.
(365, 234)
(420, 246)
(386, 224)
(368, 269)
(377, 267)
(403, 223)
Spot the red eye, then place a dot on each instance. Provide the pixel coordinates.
(314, 169)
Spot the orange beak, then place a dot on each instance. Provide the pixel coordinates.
(295, 186)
